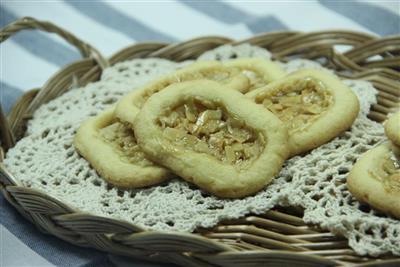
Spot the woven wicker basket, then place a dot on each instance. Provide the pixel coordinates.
(278, 237)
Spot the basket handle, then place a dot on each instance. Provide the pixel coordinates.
(7, 139)
(28, 23)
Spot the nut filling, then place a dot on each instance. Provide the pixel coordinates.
(123, 141)
(206, 128)
(298, 103)
(388, 172)
(218, 76)
(255, 78)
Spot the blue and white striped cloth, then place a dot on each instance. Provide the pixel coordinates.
(29, 58)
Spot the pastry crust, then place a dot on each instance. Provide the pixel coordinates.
(375, 179)
(117, 161)
(315, 106)
(242, 75)
(221, 178)
(392, 128)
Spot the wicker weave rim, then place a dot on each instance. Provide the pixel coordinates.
(278, 236)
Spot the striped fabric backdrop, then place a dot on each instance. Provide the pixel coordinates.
(29, 58)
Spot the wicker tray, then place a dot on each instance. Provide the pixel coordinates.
(278, 237)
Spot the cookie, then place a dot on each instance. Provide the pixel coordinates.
(392, 128)
(111, 148)
(314, 105)
(212, 137)
(130, 104)
(242, 75)
(375, 179)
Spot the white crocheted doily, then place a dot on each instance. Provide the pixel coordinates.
(45, 159)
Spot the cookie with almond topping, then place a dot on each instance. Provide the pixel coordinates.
(375, 179)
(314, 105)
(392, 128)
(212, 137)
(111, 148)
